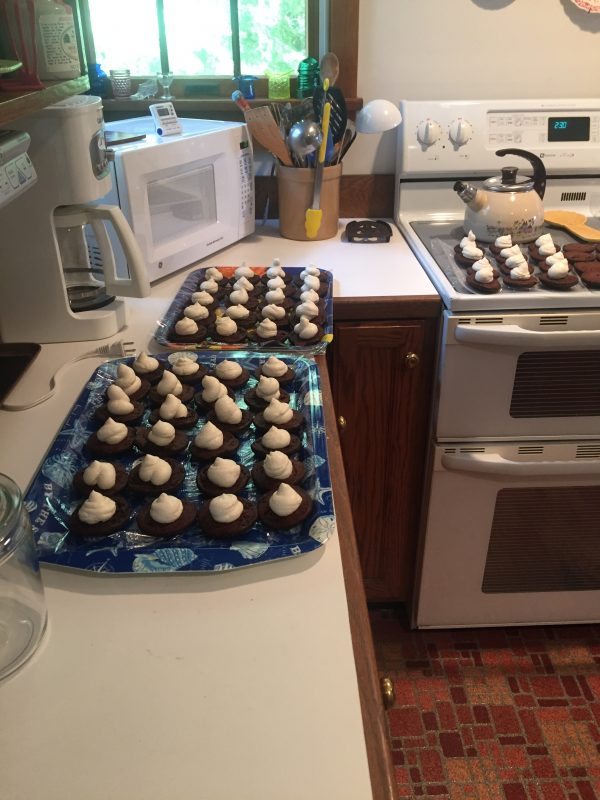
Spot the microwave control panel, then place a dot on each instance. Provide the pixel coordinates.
(246, 180)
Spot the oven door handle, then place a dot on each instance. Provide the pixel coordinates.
(495, 464)
(514, 336)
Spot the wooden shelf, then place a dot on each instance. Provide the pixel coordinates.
(18, 104)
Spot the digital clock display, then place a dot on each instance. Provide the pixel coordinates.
(568, 129)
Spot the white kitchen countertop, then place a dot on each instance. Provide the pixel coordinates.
(240, 684)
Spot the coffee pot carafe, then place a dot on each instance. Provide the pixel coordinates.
(58, 279)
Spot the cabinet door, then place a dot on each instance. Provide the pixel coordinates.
(382, 377)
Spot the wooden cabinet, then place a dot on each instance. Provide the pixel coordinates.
(382, 376)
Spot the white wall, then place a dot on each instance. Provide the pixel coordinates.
(466, 49)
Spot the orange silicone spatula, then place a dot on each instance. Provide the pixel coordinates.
(574, 223)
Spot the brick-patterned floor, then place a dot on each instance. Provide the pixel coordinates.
(494, 713)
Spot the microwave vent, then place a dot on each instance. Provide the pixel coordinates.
(449, 449)
(572, 197)
(464, 320)
(489, 320)
(472, 449)
(588, 450)
(529, 450)
(555, 319)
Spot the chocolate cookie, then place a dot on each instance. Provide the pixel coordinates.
(83, 489)
(151, 377)
(203, 405)
(179, 423)
(101, 414)
(287, 377)
(192, 380)
(98, 448)
(266, 483)
(561, 284)
(579, 247)
(295, 339)
(591, 279)
(272, 520)
(228, 448)
(506, 270)
(190, 338)
(156, 399)
(294, 424)
(140, 393)
(233, 427)
(212, 489)
(512, 283)
(257, 403)
(276, 340)
(99, 529)
(227, 530)
(585, 266)
(292, 448)
(178, 445)
(234, 383)
(483, 288)
(166, 529)
(234, 338)
(136, 484)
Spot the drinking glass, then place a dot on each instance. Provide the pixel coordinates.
(120, 80)
(165, 79)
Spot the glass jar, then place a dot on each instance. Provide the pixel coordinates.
(120, 80)
(22, 605)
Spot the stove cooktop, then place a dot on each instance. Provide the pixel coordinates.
(434, 242)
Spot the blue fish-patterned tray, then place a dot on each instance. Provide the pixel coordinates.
(191, 285)
(50, 498)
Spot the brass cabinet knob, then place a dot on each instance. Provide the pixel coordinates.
(342, 423)
(387, 692)
(412, 360)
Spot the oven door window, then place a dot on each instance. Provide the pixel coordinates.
(544, 540)
(182, 204)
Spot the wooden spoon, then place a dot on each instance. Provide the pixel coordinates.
(329, 66)
(574, 223)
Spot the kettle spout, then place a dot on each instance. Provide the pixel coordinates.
(472, 197)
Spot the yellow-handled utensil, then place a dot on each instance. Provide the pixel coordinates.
(314, 214)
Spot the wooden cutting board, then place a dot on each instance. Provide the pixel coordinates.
(574, 223)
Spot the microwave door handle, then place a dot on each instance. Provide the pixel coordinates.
(137, 285)
(495, 464)
(515, 336)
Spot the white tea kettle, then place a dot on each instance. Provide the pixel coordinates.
(507, 203)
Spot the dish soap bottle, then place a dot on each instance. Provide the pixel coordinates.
(57, 42)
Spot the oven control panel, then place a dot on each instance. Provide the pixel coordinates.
(446, 138)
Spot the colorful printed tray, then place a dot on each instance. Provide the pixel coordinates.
(50, 498)
(191, 284)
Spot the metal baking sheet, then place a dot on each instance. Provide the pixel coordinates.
(191, 284)
(50, 498)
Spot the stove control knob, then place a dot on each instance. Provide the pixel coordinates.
(460, 132)
(428, 132)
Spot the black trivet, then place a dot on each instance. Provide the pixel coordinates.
(368, 231)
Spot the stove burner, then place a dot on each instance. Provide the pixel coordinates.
(368, 231)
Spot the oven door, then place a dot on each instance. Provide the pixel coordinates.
(520, 375)
(512, 536)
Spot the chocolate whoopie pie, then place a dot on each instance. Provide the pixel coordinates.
(227, 530)
(178, 445)
(156, 399)
(228, 448)
(83, 489)
(97, 530)
(179, 423)
(272, 520)
(257, 403)
(294, 424)
(101, 414)
(136, 484)
(266, 483)
(483, 288)
(166, 529)
(513, 283)
(561, 284)
(212, 489)
(98, 448)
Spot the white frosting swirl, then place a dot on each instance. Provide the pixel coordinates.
(276, 283)
(214, 273)
(118, 401)
(161, 433)
(244, 283)
(225, 508)
(100, 474)
(516, 260)
(503, 241)
(172, 408)
(225, 326)
(184, 365)
(266, 329)
(267, 388)
(275, 296)
(154, 470)
(276, 270)
(145, 364)
(238, 297)
(276, 438)
(127, 379)
(309, 295)
(169, 384)
(520, 272)
(305, 329)
(112, 432)
(223, 472)
(210, 285)
(166, 509)
(243, 271)
(471, 251)
(545, 245)
(483, 262)
(311, 282)
(556, 258)
(277, 465)
(274, 367)
(513, 250)
(272, 311)
(310, 270)
(485, 274)
(227, 410)
(97, 508)
(468, 239)
(202, 297)
(186, 327)
(209, 437)
(196, 311)
(559, 270)
(237, 311)
(228, 370)
(307, 309)
(277, 412)
(212, 389)
(284, 500)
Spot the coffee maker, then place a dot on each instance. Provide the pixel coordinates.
(58, 279)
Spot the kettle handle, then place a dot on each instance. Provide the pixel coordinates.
(539, 170)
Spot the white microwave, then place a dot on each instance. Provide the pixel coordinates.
(186, 195)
